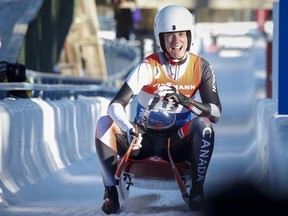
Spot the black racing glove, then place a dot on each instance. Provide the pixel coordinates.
(198, 108)
(179, 98)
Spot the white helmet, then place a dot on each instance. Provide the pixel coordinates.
(174, 18)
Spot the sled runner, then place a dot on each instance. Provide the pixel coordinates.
(152, 173)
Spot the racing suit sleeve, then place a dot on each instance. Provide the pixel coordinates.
(116, 109)
(210, 106)
(139, 77)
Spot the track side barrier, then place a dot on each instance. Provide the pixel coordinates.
(38, 137)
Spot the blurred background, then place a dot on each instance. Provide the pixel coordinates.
(77, 37)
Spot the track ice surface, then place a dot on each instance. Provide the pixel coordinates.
(78, 190)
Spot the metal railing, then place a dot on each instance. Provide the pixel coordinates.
(55, 86)
(57, 91)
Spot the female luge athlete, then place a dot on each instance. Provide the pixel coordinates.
(165, 83)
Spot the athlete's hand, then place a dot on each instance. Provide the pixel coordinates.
(134, 139)
(179, 98)
(162, 91)
(173, 94)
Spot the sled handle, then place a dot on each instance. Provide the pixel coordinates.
(177, 176)
(125, 159)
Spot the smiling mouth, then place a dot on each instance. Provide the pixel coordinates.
(178, 48)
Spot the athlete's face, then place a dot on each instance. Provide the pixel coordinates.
(176, 43)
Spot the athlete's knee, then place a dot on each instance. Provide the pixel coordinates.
(203, 125)
(104, 121)
(103, 124)
(198, 125)
(204, 136)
